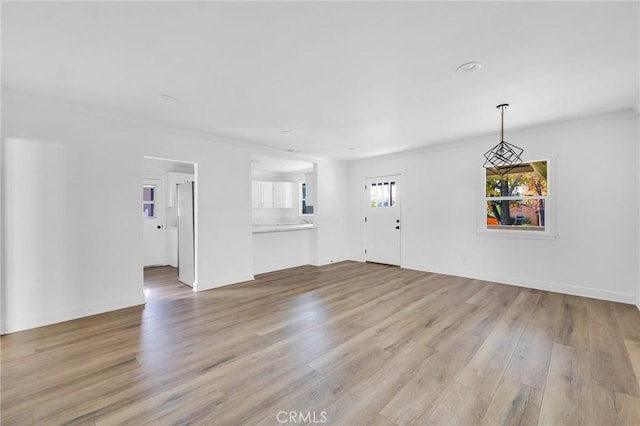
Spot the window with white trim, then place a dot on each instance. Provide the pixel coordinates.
(149, 201)
(518, 200)
(383, 194)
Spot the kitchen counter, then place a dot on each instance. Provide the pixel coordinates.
(282, 227)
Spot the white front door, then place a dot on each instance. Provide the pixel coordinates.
(153, 211)
(382, 220)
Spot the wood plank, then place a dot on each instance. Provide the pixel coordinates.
(611, 367)
(633, 349)
(262, 396)
(571, 327)
(514, 403)
(459, 406)
(614, 409)
(317, 395)
(363, 402)
(381, 420)
(628, 319)
(169, 404)
(529, 363)
(483, 318)
(567, 395)
(614, 373)
(484, 371)
(24, 417)
(430, 380)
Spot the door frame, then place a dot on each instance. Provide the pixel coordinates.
(196, 184)
(364, 213)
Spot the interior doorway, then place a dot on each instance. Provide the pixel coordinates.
(382, 220)
(170, 216)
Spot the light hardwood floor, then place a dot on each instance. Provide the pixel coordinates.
(351, 343)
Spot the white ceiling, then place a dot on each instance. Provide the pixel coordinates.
(349, 80)
(281, 165)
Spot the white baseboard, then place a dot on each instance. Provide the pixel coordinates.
(277, 267)
(287, 265)
(224, 281)
(571, 289)
(327, 261)
(25, 323)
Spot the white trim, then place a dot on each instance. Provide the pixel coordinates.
(263, 229)
(555, 287)
(328, 261)
(523, 234)
(196, 226)
(26, 323)
(277, 267)
(480, 139)
(224, 281)
(515, 198)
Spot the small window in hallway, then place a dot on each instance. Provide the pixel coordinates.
(148, 201)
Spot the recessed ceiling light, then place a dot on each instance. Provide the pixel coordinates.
(469, 67)
(168, 98)
(286, 132)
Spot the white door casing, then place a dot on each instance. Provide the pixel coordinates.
(186, 234)
(382, 220)
(153, 219)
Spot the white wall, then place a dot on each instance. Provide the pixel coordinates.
(273, 251)
(329, 242)
(72, 229)
(596, 251)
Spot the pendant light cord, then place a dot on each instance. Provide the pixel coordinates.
(502, 108)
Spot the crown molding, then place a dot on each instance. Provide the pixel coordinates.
(488, 137)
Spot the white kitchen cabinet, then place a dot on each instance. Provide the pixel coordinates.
(261, 194)
(282, 195)
(277, 195)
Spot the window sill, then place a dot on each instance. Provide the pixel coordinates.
(531, 235)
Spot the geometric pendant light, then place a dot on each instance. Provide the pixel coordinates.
(503, 157)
